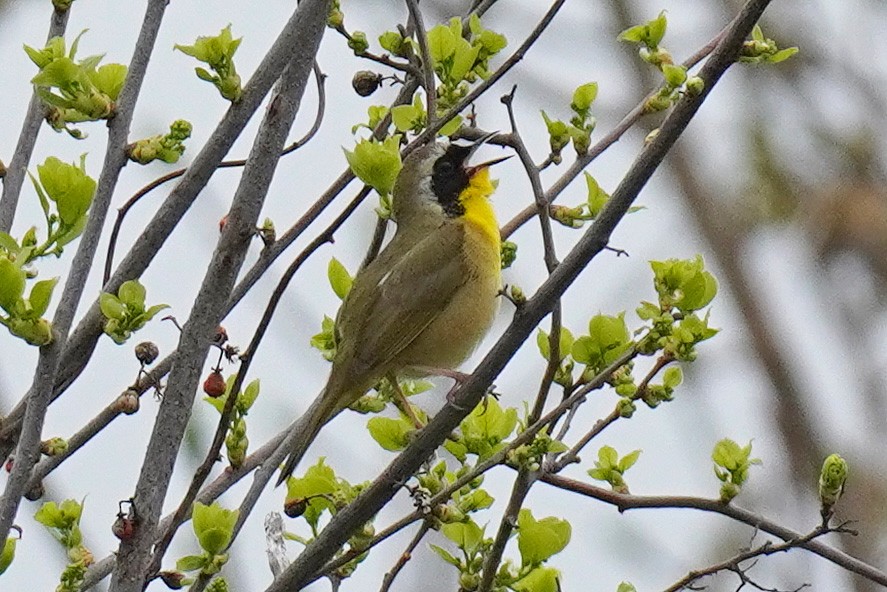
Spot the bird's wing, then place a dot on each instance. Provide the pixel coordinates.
(404, 301)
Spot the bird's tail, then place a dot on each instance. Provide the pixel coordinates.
(323, 409)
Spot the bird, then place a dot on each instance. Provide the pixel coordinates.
(425, 302)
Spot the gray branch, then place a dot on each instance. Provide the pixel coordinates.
(209, 306)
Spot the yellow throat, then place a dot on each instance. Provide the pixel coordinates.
(478, 210)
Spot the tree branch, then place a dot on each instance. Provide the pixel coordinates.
(624, 502)
(18, 165)
(175, 409)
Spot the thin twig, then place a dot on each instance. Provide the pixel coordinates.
(526, 478)
(734, 563)
(624, 502)
(425, 54)
(572, 455)
(407, 554)
(319, 77)
(599, 147)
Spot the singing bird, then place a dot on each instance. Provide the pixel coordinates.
(425, 302)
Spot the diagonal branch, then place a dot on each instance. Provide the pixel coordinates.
(525, 320)
(175, 409)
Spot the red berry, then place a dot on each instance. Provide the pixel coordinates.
(214, 385)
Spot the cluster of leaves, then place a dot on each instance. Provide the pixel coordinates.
(484, 431)
(596, 199)
(676, 80)
(214, 527)
(65, 192)
(578, 129)
(166, 147)
(236, 442)
(377, 163)
(63, 522)
(413, 118)
(460, 59)
(760, 50)
(218, 53)
(675, 329)
(732, 464)
(125, 313)
(684, 287)
(465, 500)
(537, 541)
(75, 91)
(607, 339)
(318, 493)
(611, 469)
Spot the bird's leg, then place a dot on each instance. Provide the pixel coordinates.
(400, 401)
(459, 377)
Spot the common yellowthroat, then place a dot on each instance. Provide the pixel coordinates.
(429, 297)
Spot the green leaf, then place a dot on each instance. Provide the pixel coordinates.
(451, 127)
(441, 43)
(409, 117)
(656, 29)
(467, 535)
(111, 306)
(192, 562)
(391, 434)
(8, 554)
(445, 555)
(376, 163)
(626, 587)
(68, 186)
(597, 197)
(150, 314)
(132, 293)
(627, 461)
(672, 377)
(463, 60)
(8, 244)
(541, 579)
(782, 55)
(340, 279)
(214, 526)
(40, 296)
(674, 75)
(317, 485)
(538, 540)
(249, 395)
(583, 97)
(109, 79)
(758, 34)
(565, 343)
(12, 284)
(392, 42)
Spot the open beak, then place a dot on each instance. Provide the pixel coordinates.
(473, 169)
(477, 144)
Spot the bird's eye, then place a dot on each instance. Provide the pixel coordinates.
(445, 167)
